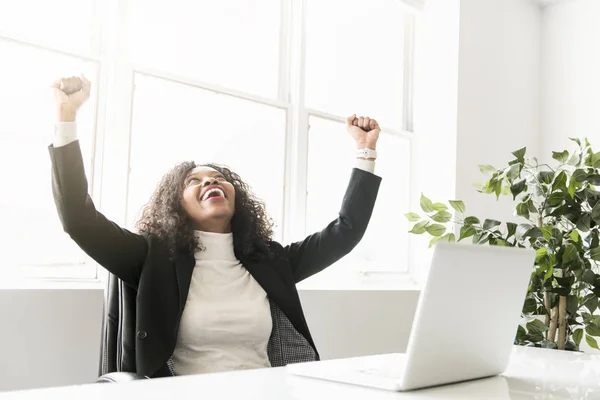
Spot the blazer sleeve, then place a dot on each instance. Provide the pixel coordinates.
(319, 250)
(118, 250)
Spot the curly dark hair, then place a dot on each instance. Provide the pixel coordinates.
(165, 217)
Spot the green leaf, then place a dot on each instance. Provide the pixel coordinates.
(594, 179)
(520, 154)
(588, 276)
(572, 303)
(471, 221)
(576, 140)
(577, 336)
(436, 229)
(561, 157)
(536, 326)
(529, 306)
(513, 171)
(498, 189)
(584, 222)
(522, 229)
(579, 175)
(512, 228)
(439, 207)
(570, 253)
(523, 210)
(534, 233)
(412, 217)
(555, 199)
(572, 187)
(517, 188)
(419, 228)
(549, 273)
(465, 232)
(596, 213)
(451, 237)
(426, 204)
(490, 223)
(521, 333)
(592, 304)
(545, 177)
(595, 160)
(592, 330)
(559, 181)
(574, 235)
(561, 291)
(434, 240)
(531, 206)
(591, 342)
(487, 169)
(442, 216)
(541, 252)
(458, 205)
(595, 253)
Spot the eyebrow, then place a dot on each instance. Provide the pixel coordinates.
(214, 175)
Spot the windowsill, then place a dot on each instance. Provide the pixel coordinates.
(50, 284)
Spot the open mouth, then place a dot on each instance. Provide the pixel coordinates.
(213, 194)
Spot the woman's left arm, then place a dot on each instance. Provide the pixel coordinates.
(321, 249)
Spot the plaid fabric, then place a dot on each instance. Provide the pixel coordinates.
(286, 345)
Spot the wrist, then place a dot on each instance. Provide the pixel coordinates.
(365, 153)
(66, 113)
(366, 145)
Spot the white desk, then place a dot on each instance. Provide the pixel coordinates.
(533, 374)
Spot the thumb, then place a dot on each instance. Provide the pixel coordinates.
(58, 94)
(350, 120)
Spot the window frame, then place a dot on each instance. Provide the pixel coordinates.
(109, 181)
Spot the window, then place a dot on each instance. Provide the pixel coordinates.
(385, 242)
(27, 70)
(232, 44)
(355, 58)
(260, 86)
(204, 127)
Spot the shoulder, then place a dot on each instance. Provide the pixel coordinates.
(275, 251)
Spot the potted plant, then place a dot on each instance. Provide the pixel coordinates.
(559, 208)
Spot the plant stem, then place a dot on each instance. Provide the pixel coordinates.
(547, 304)
(562, 322)
(553, 325)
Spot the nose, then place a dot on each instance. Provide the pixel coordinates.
(210, 181)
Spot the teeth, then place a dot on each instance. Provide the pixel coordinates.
(211, 191)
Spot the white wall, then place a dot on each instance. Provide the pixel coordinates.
(349, 323)
(498, 93)
(49, 337)
(570, 77)
(571, 74)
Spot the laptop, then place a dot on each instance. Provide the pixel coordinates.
(464, 327)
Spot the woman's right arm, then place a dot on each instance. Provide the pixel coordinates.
(120, 251)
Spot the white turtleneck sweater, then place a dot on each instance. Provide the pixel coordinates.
(226, 322)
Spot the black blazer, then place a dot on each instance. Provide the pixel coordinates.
(142, 260)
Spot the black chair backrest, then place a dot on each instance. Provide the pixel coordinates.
(117, 351)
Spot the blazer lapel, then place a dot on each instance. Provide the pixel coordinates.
(184, 267)
(263, 271)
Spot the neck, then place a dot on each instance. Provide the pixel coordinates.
(214, 227)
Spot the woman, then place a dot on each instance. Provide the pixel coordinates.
(214, 291)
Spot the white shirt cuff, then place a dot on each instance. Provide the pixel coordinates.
(365, 165)
(64, 133)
